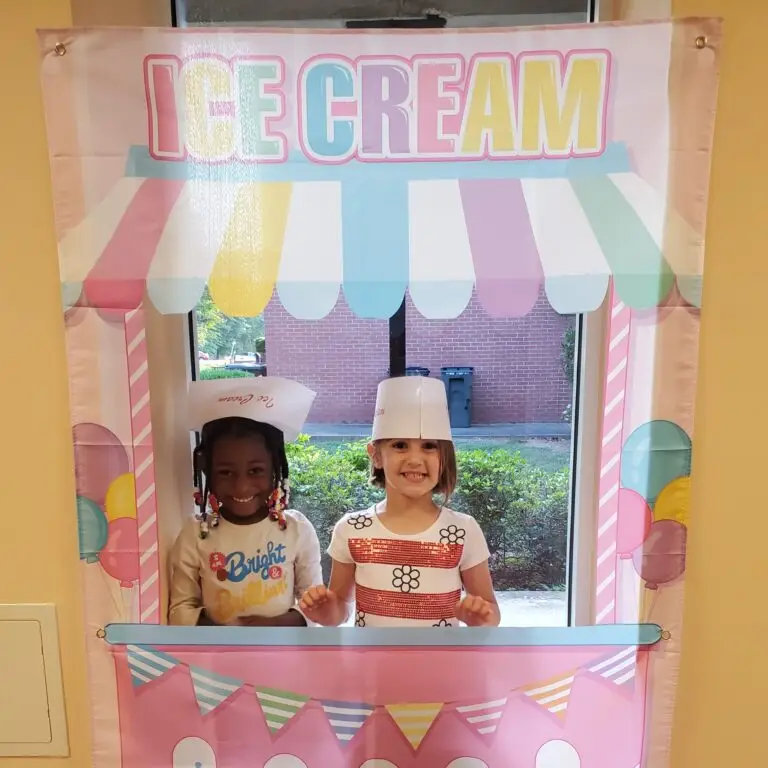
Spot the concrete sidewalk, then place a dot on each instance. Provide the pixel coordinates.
(486, 431)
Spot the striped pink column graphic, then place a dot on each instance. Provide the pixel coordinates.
(612, 439)
(144, 467)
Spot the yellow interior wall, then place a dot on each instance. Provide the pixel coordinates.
(39, 542)
(720, 718)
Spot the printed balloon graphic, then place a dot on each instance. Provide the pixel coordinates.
(633, 523)
(661, 559)
(285, 761)
(120, 556)
(91, 529)
(376, 763)
(193, 752)
(558, 754)
(654, 455)
(674, 502)
(120, 501)
(100, 458)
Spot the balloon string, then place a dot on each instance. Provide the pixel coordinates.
(127, 593)
(118, 608)
(651, 606)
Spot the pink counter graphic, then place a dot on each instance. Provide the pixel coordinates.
(409, 707)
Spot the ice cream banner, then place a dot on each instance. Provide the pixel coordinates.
(378, 108)
(315, 168)
(309, 164)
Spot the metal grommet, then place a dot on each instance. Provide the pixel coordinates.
(101, 634)
(666, 635)
(701, 42)
(60, 49)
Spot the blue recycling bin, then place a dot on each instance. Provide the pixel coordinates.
(416, 370)
(458, 388)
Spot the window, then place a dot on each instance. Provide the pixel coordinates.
(518, 386)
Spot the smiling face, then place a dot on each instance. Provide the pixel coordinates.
(410, 466)
(242, 476)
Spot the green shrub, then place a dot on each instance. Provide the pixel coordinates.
(221, 373)
(522, 509)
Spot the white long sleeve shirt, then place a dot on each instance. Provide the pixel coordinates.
(242, 570)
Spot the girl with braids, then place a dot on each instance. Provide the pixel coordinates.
(246, 556)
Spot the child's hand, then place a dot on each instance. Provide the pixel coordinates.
(476, 612)
(321, 605)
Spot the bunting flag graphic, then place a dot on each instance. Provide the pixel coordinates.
(212, 690)
(279, 707)
(414, 720)
(552, 694)
(346, 718)
(619, 668)
(147, 664)
(483, 718)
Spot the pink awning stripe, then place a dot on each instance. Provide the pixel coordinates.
(118, 279)
(508, 272)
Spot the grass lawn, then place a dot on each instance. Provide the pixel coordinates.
(548, 454)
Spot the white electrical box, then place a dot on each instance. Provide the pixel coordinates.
(32, 715)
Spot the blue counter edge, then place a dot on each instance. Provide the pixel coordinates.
(329, 637)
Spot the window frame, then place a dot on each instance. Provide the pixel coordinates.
(591, 328)
(245, 12)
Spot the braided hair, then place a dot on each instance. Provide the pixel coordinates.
(238, 427)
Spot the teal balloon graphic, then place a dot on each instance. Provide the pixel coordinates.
(92, 529)
(654, 455)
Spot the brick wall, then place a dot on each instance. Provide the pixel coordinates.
(518, 375)
(341, 357)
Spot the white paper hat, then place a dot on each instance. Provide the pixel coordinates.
(271, 400)
(411, 407)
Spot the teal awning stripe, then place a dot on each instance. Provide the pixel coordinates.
(642, 276)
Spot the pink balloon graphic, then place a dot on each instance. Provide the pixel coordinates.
(120, 556)
(633, 524)
(661, 559)
(99, 458)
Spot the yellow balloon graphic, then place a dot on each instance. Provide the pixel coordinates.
(121, 498)
(674, 502)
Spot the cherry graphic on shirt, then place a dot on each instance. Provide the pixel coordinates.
(217, 561)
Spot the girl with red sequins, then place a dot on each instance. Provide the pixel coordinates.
(408, 561)
(247, 556)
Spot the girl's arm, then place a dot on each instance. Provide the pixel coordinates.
(308, 570)
(186, 598)
(332, 606)
(479, 607)
(342, 584)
